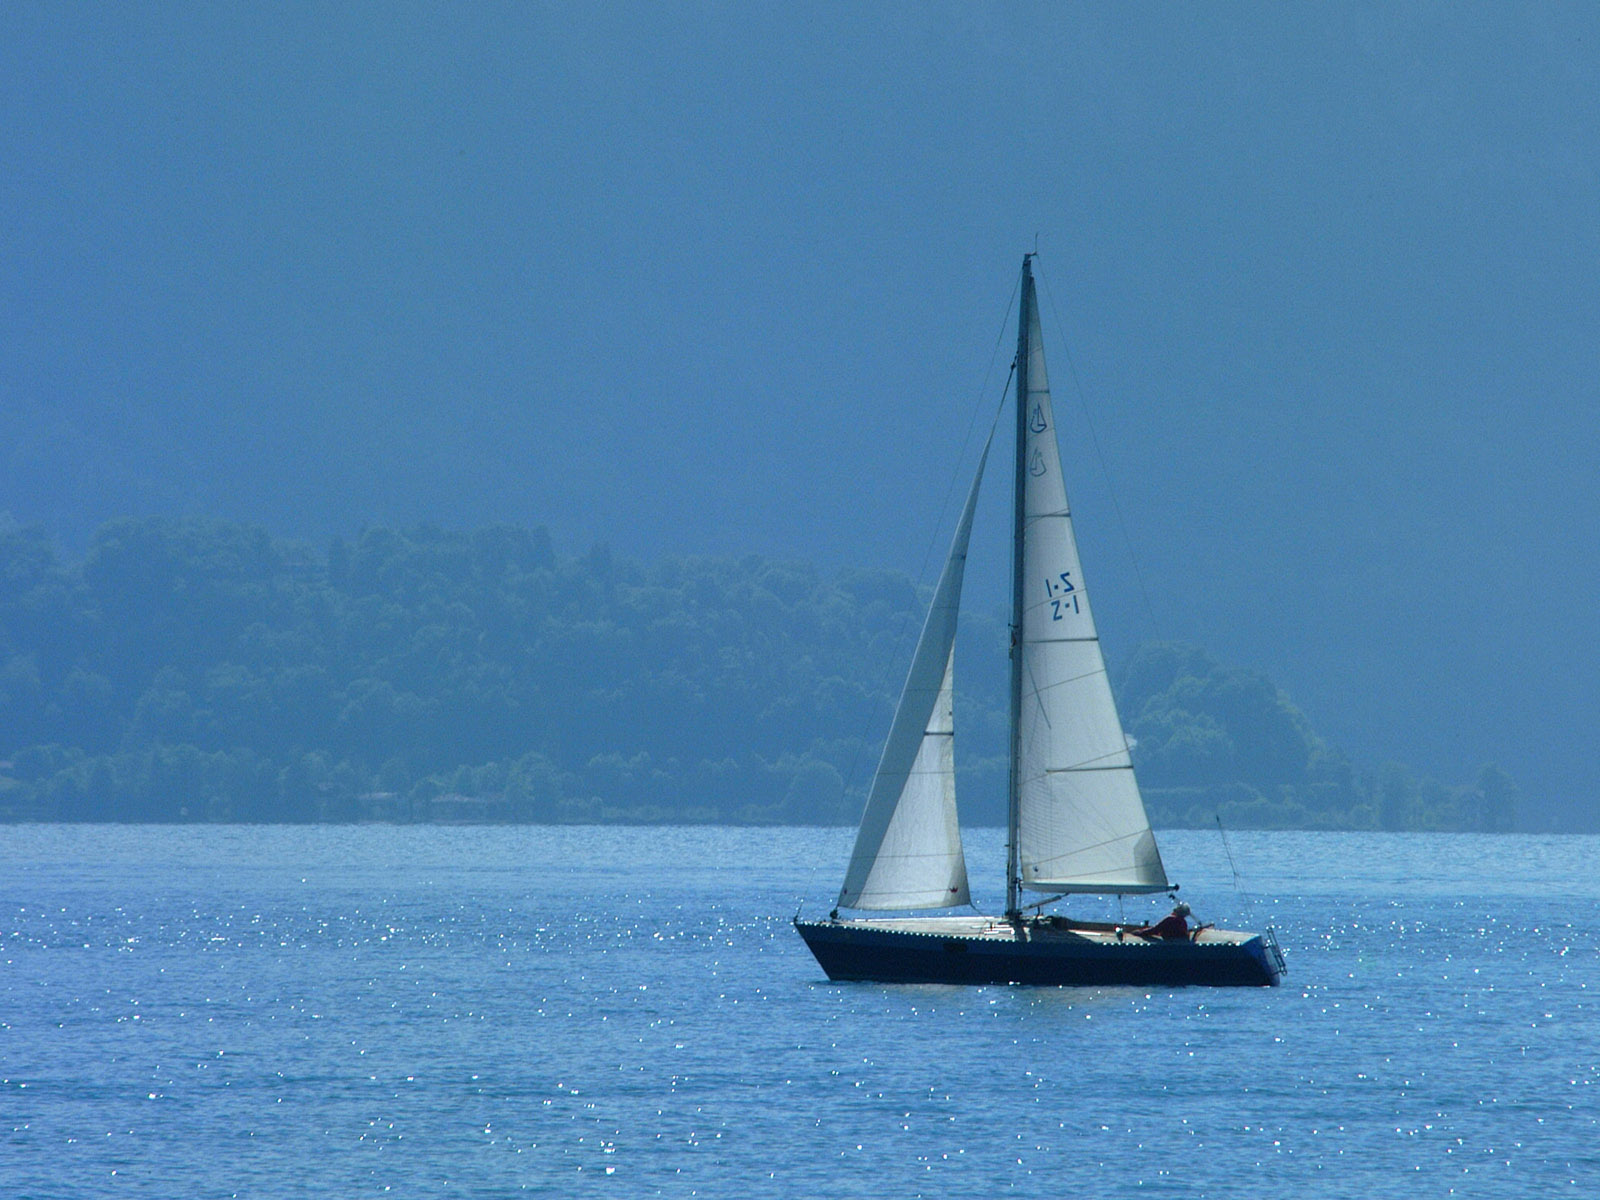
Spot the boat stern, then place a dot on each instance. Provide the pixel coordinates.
(1264, 948)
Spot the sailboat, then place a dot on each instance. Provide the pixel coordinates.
(1076, 822)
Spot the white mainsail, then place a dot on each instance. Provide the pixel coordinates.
(908, 849)
(1081, 824)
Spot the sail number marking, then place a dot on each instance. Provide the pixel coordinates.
(1062, 594)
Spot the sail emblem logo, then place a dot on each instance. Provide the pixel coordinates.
(1036, 466)
(1036, 419)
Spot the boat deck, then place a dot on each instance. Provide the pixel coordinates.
(999, 930)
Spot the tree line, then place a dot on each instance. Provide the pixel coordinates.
(194, 670)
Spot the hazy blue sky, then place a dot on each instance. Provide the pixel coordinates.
(727, 278)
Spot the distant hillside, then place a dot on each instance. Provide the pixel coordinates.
(1217, 741)
(201, 671)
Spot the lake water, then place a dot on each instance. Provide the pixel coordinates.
(337, 1011)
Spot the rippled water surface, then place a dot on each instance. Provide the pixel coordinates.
(271, 1011)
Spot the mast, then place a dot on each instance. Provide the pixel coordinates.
(1013, 790)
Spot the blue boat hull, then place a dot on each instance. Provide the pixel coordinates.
(1035, 953)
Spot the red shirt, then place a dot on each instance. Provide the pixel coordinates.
(1172, 928)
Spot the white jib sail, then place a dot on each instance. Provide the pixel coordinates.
(1081, 822)
(908, 849)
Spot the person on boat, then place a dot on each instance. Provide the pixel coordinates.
(1174, 927)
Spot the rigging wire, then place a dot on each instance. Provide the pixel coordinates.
(932, 543)
(1269, 935)
(1238, 884)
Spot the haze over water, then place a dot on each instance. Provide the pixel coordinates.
(286, 1011)
(711, 279)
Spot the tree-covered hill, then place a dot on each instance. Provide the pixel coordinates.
(1216, 741)
(195, 670)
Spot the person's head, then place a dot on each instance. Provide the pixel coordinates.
(1180, 909)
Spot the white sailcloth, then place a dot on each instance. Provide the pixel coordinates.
(908, 849)
(1081, 821)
